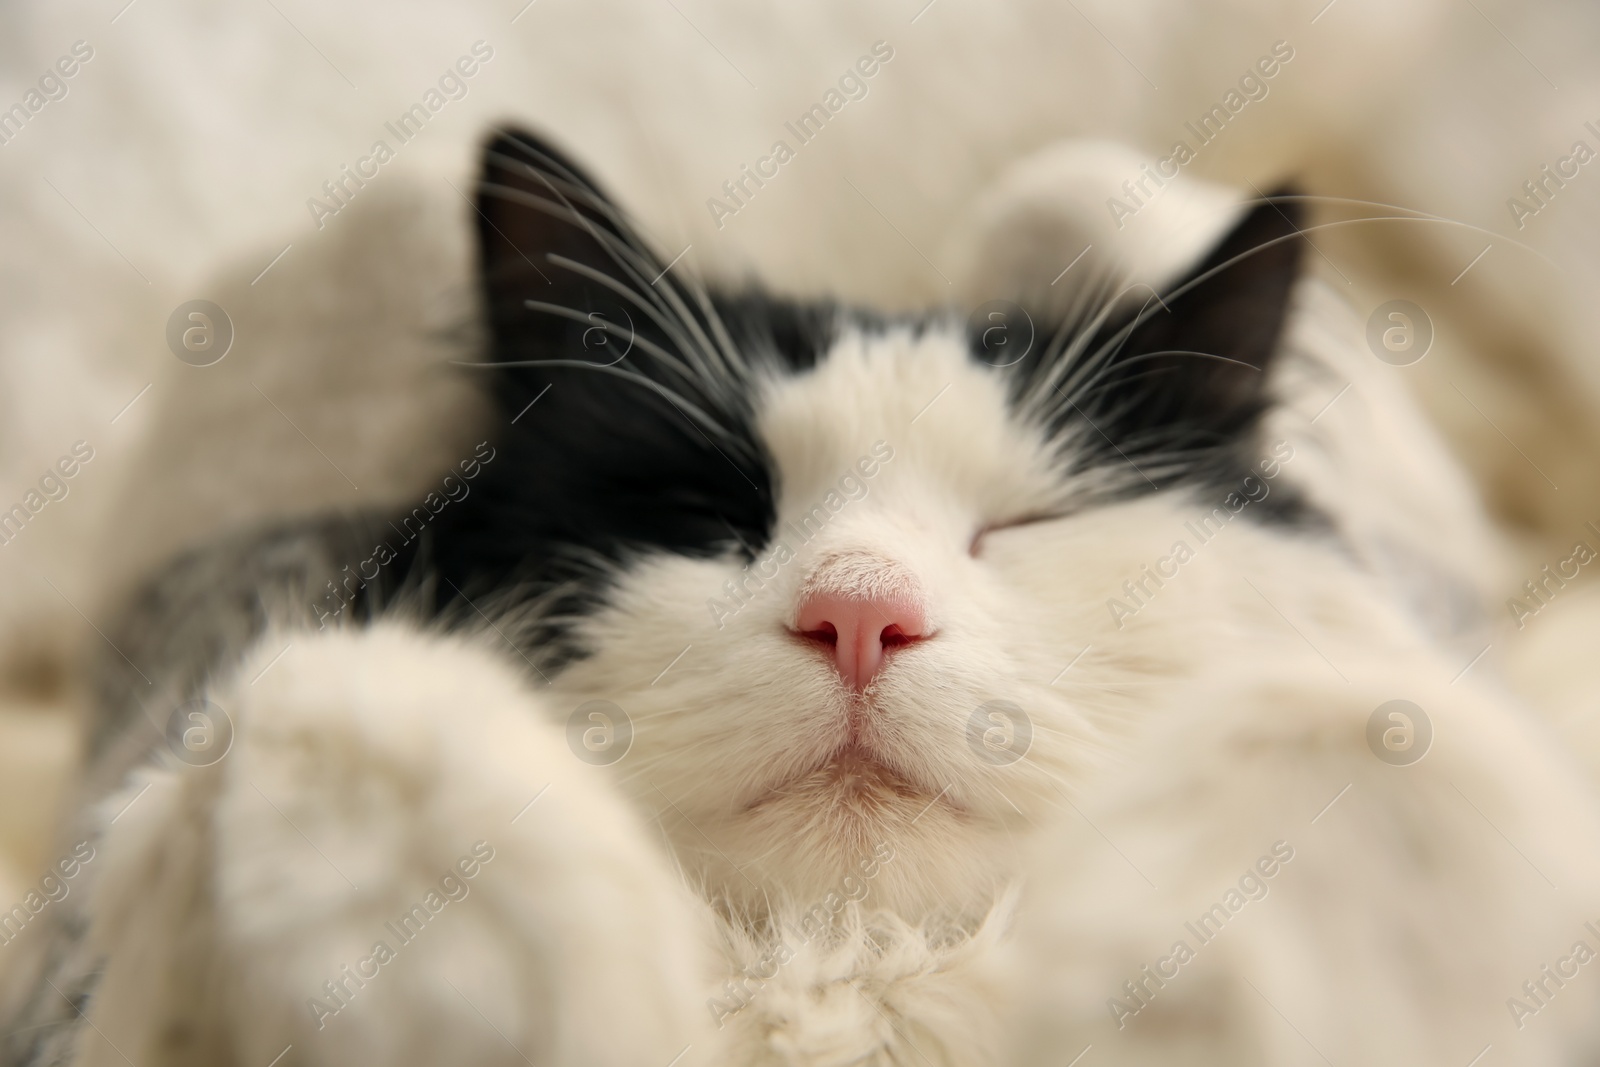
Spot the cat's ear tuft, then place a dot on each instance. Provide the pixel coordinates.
(1191, 369)
(545, 228)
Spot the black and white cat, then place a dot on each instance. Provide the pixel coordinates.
(788, 683)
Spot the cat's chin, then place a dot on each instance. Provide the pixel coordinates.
(853, 827)
(855, 782)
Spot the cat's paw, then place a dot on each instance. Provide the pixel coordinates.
(1301, 873)
(407, 865)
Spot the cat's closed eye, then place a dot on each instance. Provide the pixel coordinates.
(975, 548)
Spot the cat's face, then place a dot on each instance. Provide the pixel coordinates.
(833, 568)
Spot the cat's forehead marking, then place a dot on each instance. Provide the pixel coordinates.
(947, 417)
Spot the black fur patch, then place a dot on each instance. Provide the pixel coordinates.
(620, 428)
(792, 334)
(606, 448)
(1176, 390)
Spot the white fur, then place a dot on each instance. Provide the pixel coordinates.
(1223, 717)
(766, 707)
(1416, 904)
(365, 765)
(1164, 759)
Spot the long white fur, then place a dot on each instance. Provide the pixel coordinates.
(366, 764)
(1263, 735)
(180, 163)
(1169, 751)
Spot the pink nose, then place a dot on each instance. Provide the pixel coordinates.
(860, 629)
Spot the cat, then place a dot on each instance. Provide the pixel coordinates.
(784, 682)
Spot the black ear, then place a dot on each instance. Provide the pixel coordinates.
(1188, 372)
(622, 429)
(545, 229)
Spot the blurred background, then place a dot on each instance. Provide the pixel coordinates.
(154, 153)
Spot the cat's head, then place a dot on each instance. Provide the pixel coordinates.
(837, 568)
